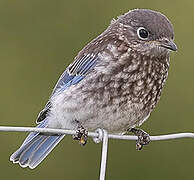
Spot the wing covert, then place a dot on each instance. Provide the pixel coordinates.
(75, 72)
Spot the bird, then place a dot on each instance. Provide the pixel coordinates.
(114, 83)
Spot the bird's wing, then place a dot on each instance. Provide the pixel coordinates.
(74, 73)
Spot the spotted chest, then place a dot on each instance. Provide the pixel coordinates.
(125, 76)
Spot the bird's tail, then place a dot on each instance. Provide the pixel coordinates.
(35, 148)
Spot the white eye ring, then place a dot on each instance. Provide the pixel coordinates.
(142, 33)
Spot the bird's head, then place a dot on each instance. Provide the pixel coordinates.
(148, 31)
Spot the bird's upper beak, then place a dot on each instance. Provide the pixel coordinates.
(168, 44)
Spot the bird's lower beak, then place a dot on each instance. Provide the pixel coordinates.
(168, 44)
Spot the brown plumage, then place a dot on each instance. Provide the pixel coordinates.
(114, 83)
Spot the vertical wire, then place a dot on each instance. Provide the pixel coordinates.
(104, 155)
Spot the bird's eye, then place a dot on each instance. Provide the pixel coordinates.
(142, 33)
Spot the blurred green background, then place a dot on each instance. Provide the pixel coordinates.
(39, 38)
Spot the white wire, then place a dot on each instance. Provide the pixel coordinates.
(94, 134)
(104, 155)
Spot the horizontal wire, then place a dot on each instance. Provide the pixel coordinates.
(94, 134)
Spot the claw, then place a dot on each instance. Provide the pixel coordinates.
(81, 135)
(143, 138)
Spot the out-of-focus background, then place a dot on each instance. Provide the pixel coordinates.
(38, 39)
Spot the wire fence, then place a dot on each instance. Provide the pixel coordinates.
(100, 135)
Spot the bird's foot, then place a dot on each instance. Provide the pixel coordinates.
(81, 135)
(143, 138)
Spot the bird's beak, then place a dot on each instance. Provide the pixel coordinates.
(168, 44)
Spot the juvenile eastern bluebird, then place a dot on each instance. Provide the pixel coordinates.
(114, 83)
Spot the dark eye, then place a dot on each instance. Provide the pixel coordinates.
(142, 33)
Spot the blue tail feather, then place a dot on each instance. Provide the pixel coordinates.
(35, 148)
(27, 150)
(43, 150)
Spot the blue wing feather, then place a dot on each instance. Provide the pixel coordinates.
(75, 72)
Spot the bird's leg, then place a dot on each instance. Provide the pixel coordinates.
(143, 138)
(81, 135)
